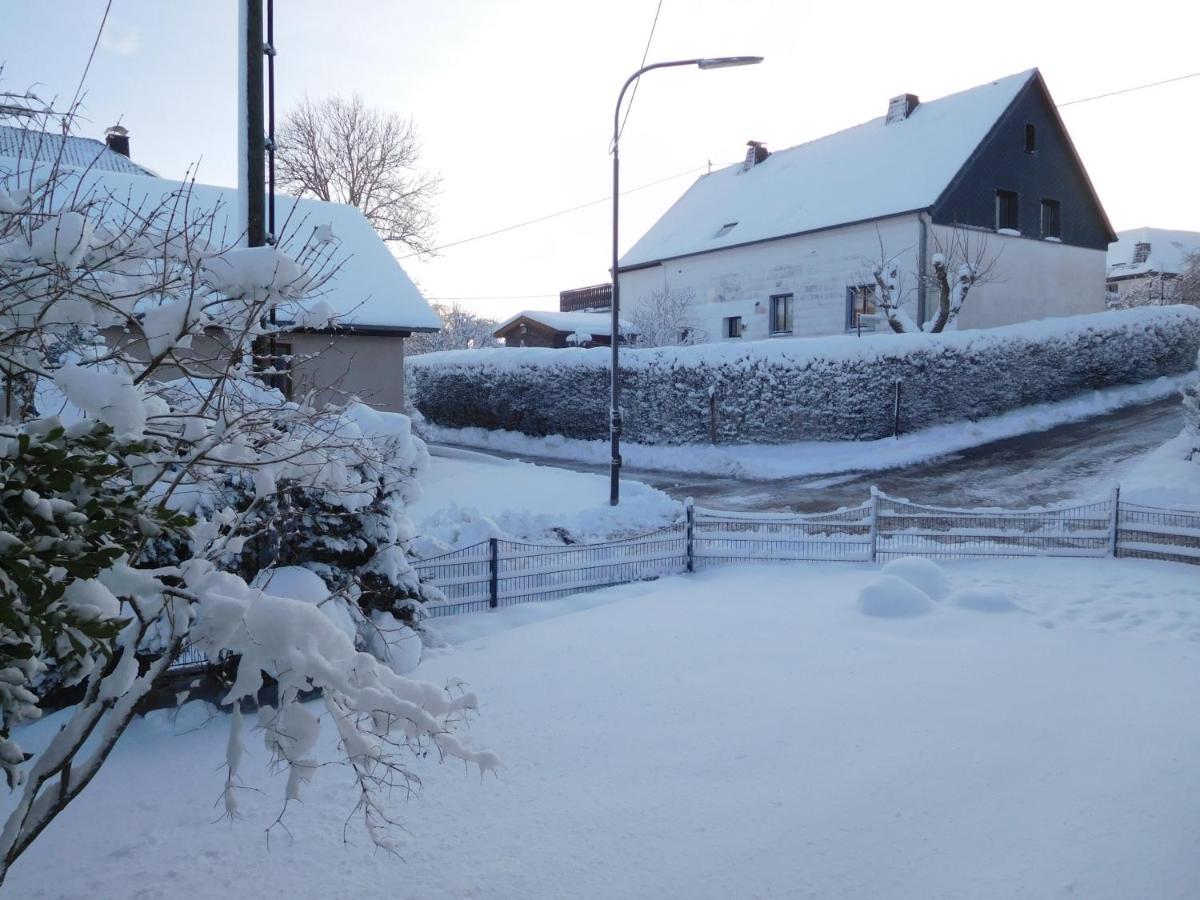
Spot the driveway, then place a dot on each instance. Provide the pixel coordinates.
(1083, 459)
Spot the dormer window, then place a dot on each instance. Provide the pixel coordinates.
(1030, 138)
(725, 229)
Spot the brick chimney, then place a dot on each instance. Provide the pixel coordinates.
(901, 107)
(756, 152)
(1141, 251)
(116, 138)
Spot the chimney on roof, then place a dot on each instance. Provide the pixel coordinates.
(1141, 251)
(756, 152)
(901, 107)
(116, 138)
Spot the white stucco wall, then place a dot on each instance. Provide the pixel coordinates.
(815, 268)
(1032, 279)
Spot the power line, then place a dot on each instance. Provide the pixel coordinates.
(561, 212)
(500, 297)
(641, 187)
(1140, 87)
(645, 55)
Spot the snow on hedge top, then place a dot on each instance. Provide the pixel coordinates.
(1168, 251)
(800, 352)
(871, 170)
(570, 322)
(368, 288)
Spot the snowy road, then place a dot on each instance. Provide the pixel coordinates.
(1078, 460)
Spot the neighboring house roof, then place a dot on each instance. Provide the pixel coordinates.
(867, 172)
(597, 324)
(369, 290)
(1168, 252)
(77, 152)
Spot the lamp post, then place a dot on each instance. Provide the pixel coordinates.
(614, 410)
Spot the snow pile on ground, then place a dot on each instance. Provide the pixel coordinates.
(469, 497)
(820, 752)
(924, 574)
(890, 597)
(1165, 477)
(983, 600)
(765, 461)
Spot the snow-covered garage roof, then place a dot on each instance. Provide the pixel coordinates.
(1167, 253)
(595, 323)
(866, 172)
(369, 289)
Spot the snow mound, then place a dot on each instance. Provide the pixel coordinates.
(923, 574)
(891, 597)
(983, 600)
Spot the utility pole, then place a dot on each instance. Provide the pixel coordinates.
(253, 162)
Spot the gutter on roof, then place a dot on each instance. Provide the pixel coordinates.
(777, 237)
(365, 330)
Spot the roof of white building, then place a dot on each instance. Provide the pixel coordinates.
(78, 152)
(594, 323)
(367, 287)
(1167, 255)
(872, 170)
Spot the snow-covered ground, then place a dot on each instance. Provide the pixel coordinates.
(1165, 477)
(773, 461)
(746, 732)
(467, 497)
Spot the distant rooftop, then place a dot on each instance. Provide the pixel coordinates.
(77, 152)
(1140, 251)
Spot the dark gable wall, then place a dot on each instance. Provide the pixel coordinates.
(1051, 173)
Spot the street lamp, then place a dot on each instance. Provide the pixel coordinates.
(614, 410)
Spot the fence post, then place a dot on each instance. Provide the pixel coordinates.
(493, 572)
(691, 534)
(874, 523)
(1114, 521)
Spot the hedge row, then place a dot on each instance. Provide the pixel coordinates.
(834, 388)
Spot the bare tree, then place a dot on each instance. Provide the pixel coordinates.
(1187, 285)
(959, 265)
(461, 330)
(666, 318)
(337, 149)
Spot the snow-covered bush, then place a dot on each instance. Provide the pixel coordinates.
(144, 459)
(832, 388)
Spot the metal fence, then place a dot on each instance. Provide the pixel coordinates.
(497, 572)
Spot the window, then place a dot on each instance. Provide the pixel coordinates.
(725, 229)
(1051, 219)
(1030, 138)
(1006, 211)
(860, 301)
(781, 314)
(733, 326)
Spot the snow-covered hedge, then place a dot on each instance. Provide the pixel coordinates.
(833, 388)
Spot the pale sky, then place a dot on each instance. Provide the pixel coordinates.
(514, 100)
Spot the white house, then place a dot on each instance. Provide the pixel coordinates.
(1144, 265)
(786, 242)
(359, 351)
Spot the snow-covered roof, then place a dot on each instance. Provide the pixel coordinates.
(593, 323)
(1168, 251)
(865, 172)
(369, 289)
(77, 152)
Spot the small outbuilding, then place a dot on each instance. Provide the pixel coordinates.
(547, 328)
